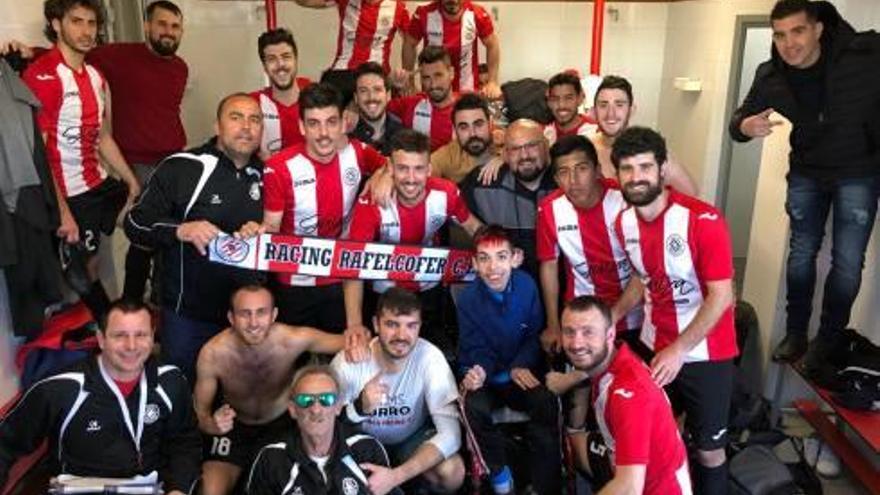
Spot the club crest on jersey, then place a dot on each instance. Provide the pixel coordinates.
(232, 250)
(351, 177)
(349, 486)
(255, 191)
(675, 245)
(151, 414)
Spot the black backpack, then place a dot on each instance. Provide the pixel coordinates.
(526, 99)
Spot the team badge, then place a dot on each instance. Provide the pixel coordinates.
(437, 221)
(255, 191)
(352, 177)
(231, 249)
(151, 414)
(675, 245)
(349, 486)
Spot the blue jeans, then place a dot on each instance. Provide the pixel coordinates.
(182, 339)
(854, 203)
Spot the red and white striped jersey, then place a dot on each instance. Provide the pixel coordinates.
(586, 127)
(675, 255)
(636, 422)
(409, 225)
(316, 198)
(71, 118)
(418, 113)
(280, 121)
(459, 37)
(366, 31)
(595, 262)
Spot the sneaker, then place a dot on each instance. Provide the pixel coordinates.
(818, 454)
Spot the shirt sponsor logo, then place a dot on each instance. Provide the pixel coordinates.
(71, 94)
(567, 228)
(303, 182)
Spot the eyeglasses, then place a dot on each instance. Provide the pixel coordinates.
(564, 174)
(530, 146)
(305, 401)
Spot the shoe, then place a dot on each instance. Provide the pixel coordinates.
(820, 352)
(792, 347)
(818, 454)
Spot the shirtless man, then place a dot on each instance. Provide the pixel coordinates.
(614, 107)
(252, 362)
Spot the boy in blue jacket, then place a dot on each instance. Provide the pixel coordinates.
(500, 318)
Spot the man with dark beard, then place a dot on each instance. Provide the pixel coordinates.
(472, 147)
(639, 437)
(372, 92)
(280, 100)
(430, 112)
(680, 252)
(511, 200)
(147, 80)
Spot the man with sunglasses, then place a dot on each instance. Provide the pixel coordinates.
(404, 394)
(250, 364)
(321, 455)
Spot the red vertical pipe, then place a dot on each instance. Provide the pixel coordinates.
(598, 27)
(271, 15)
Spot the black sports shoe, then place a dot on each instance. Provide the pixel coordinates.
(792, 347)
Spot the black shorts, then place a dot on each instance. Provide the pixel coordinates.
(702, 390)
(242, 444)
(95, 211)
(322, 307)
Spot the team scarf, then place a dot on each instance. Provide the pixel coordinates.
(342, 259)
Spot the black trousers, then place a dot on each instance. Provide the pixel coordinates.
(542, 430)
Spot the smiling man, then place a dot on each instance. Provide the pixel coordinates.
(638, 446)
(249, 365)
(280, 100)
(824, 77)
(404, 395)
(116, 415)
(679, 248)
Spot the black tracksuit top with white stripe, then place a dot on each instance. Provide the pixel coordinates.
(284, 468)
(81, 415)
(200, 184)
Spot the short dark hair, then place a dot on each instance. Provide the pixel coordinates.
(410, 141)
(434, 53)
(492, 233)
(274, 37)
(398, 301)
(55, 9)
(581, 304)
(319, 95)
(125, 306)
(164, 5)
(616, 82)
(471, 101)
(566, 79)
(225, 100)
(786, 8)
(371, 68)
(345, 81)
(636, 140)
(252, 287)
(567, 145)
